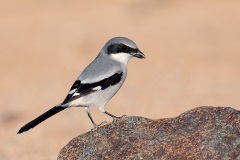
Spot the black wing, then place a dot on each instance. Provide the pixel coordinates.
(79, 89)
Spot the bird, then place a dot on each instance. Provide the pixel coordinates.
(98, 82)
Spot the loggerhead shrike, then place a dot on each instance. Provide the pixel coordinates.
(98, 82)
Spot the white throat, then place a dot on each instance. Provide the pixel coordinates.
(121, 57)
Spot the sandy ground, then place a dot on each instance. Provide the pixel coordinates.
(192, 53)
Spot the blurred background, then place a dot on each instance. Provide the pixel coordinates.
(192, 53)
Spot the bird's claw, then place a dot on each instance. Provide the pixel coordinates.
(96, 126)
(115, 119)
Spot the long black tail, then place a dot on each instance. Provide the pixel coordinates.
(41, 118)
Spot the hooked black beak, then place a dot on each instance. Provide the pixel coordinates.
(138, 54)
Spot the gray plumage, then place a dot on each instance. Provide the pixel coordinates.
(98, 82)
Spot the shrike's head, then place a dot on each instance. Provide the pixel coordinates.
(122, 49)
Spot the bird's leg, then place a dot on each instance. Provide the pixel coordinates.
(95, 126)
(89, 115)
(115, 118)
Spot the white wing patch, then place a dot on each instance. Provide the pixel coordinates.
(72, 91)
(76, 94)
(97, 88)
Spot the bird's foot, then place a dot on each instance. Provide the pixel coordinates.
(115, 119)
(96, 126)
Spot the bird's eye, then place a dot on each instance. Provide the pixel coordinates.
(124, 48)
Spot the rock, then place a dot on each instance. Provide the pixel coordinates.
(200, 133)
